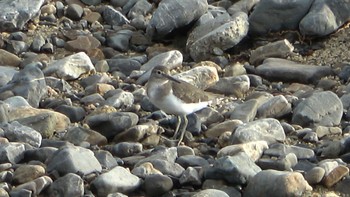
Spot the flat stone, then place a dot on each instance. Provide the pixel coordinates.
(190, 177)
(321, 108)
(217, 130)
(12, 152)
(246, 111)
(275, 107)
(269, 130)
(145, 170)
(117, 179)
(254, 149)
(114, 17)
(73, 159)
(315, 175)
(210, 193)
(335, 176)
(289, 183)
(191, 161)
(111, 124)
(106, 159)
(70, 67)
(237, 169)
(236, 86)
(9, 59)
(275, 69)
(35, 187)
(279, 150)
(78, 135)
(17, 132)
(278, 49)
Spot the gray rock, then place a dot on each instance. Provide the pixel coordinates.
(280, 150)
(17, 47)
(269, 130)
(126, 66)
(275, 69)
(11, 152)
(325, 17)
(287, 16)
(95, 99)
(17, 132)
(237, 86)
(157, 184)
(125, 149)
(120, 99)
(15, 14)
(171, 15)
(34, 187)
(315, 175)
(208, 116)
(39, 154)
(168, 168)
(210, 193)
(221, 38)
(70, 67)
(289, 184)
(218, 129)
(275, 107)
(74, 11)
(170, 59)
(58, 84)
(110, 124)
(254, 149)
(279, 49)
(202, 76)
(113, 17)
(68, 185)
(167, 154)
(73, 159)
(4, 112)
(141, 7)
(74, 113)
(246, 111)
(322, 131)
(237, 169)
(191, 161)
(190, 177)
(321, 108)
(95, 79)
(242, 6)
(91, 2)
(285, 163)
(6, 74)
(117, 179)
(78, 134)
(119, 40)
(37, 43)
(28, 83)
(106, 159)
(139, 133)
(44, 123)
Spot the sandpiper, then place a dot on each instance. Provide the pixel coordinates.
(176, 97)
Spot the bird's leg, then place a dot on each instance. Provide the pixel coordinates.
(183, 129)
(177, 127)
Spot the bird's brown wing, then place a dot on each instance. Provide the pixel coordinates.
(190, 93)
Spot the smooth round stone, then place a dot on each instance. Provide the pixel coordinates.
(211, 193)
(184, 150)
(48, 9)
(39, 154)
(74, 113)
(125, 149)
(277, 183)
(74, 11)
(315, 175)
(157, 184)
(335, 176)
(91, 2)
(217, 130)
(191, 160)
(26, 173)
(9, 59)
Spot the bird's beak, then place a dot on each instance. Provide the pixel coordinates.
(171, 78)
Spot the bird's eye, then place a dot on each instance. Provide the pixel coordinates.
(159, 72)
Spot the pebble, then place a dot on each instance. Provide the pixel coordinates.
(157, 184)
(117, 179)
(227, 126)
(335, 175)
(254, 149)
(67, 185)
(211, 193)
(290, 183)
(268, 129)
(27, 173)
(246, 111)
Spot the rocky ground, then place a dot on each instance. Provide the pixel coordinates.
(75, 119)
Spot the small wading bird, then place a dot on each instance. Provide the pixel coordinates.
(176, 97)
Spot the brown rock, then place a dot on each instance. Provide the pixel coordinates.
(9, 59)
(92, 17)
(26, 173)
(221, 128)
(82, 43)
(335, 176)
